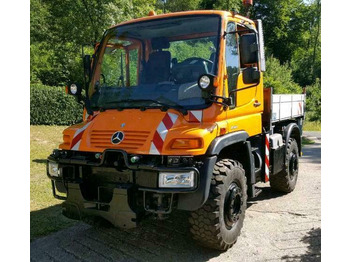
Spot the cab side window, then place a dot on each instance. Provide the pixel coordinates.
(232, 59)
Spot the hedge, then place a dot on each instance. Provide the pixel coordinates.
(52, 106)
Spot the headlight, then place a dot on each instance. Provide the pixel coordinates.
(73, 89)
(53, 169)
(206, 82)
(176, 180)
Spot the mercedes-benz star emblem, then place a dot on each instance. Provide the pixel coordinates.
(117, 137)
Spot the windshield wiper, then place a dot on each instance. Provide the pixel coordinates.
(165, 106)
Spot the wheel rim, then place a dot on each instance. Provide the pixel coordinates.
(233, 204)
(293, 165)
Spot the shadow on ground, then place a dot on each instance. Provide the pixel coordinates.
(311, 155)
(48, 220)
(153, 240)
(313, 253)
(98, 240)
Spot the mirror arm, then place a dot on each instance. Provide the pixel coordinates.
(226, 101)
(244, 88)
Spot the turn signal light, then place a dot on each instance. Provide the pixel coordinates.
(187, 143)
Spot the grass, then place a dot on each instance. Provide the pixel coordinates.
(306, 141)
(45, 210)
(312, 126)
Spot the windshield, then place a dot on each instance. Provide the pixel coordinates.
(156, 63)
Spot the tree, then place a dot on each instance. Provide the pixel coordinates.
(282, 26)
(279, 77)
(60, 27)
(178, 5)
(227, 5)
(306, 59)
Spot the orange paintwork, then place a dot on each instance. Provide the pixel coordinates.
(139, 126)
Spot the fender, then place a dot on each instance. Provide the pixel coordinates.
(247, 160)
(293, 130)
(195, 200)
(221, 142)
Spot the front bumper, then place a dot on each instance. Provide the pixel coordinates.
(121, 192)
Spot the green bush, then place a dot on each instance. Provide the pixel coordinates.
(313, 101)
(279, 77)
(52, 106)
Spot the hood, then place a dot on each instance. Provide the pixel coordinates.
(135, 131)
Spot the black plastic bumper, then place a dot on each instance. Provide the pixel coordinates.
(188, 198)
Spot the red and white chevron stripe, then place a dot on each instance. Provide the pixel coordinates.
(300, 109)
(195, 116)
(162, 130)
(267, 157)
(77, 137)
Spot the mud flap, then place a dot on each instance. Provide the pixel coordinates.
(118, 211)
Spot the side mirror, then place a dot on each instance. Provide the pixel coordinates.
(249, 48)
(74, 89)
(251, 75)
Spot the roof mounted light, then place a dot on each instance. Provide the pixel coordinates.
(247, 3)
(152, 13)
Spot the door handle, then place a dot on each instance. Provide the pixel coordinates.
(257, 103)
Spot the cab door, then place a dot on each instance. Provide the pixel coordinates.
(245, 112)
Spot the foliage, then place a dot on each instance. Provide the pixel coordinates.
(281, 25)
(279, 77)
(306, 59)
(313, 101)
(51, 106)
(177, 5)
(222, 4)
(60, 27)
(292, 34)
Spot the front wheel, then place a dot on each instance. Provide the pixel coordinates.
(218, 223)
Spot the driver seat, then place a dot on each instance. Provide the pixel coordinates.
(158, 65)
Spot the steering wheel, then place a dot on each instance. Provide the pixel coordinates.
(189, 60)
(183, 72)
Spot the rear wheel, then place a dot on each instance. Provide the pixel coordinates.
(286, 180)
(218, 223)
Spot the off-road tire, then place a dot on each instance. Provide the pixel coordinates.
(286, 179)
(211, 225)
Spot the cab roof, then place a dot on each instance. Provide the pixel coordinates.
(184, 13)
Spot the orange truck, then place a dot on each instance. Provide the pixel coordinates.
(176, 117)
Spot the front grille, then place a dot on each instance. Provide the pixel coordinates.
(132, 140)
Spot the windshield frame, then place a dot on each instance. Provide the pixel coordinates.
(104, 41)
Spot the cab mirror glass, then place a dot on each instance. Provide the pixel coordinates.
(249, 48)
(251, 75)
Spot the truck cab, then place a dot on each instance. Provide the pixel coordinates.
(176, 117)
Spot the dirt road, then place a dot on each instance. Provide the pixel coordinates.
(277, 227)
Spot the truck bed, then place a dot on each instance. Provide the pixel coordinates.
(286, 107)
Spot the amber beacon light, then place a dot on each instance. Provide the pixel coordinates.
(247, 3)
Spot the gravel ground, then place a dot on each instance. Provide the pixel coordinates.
(276, 228)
